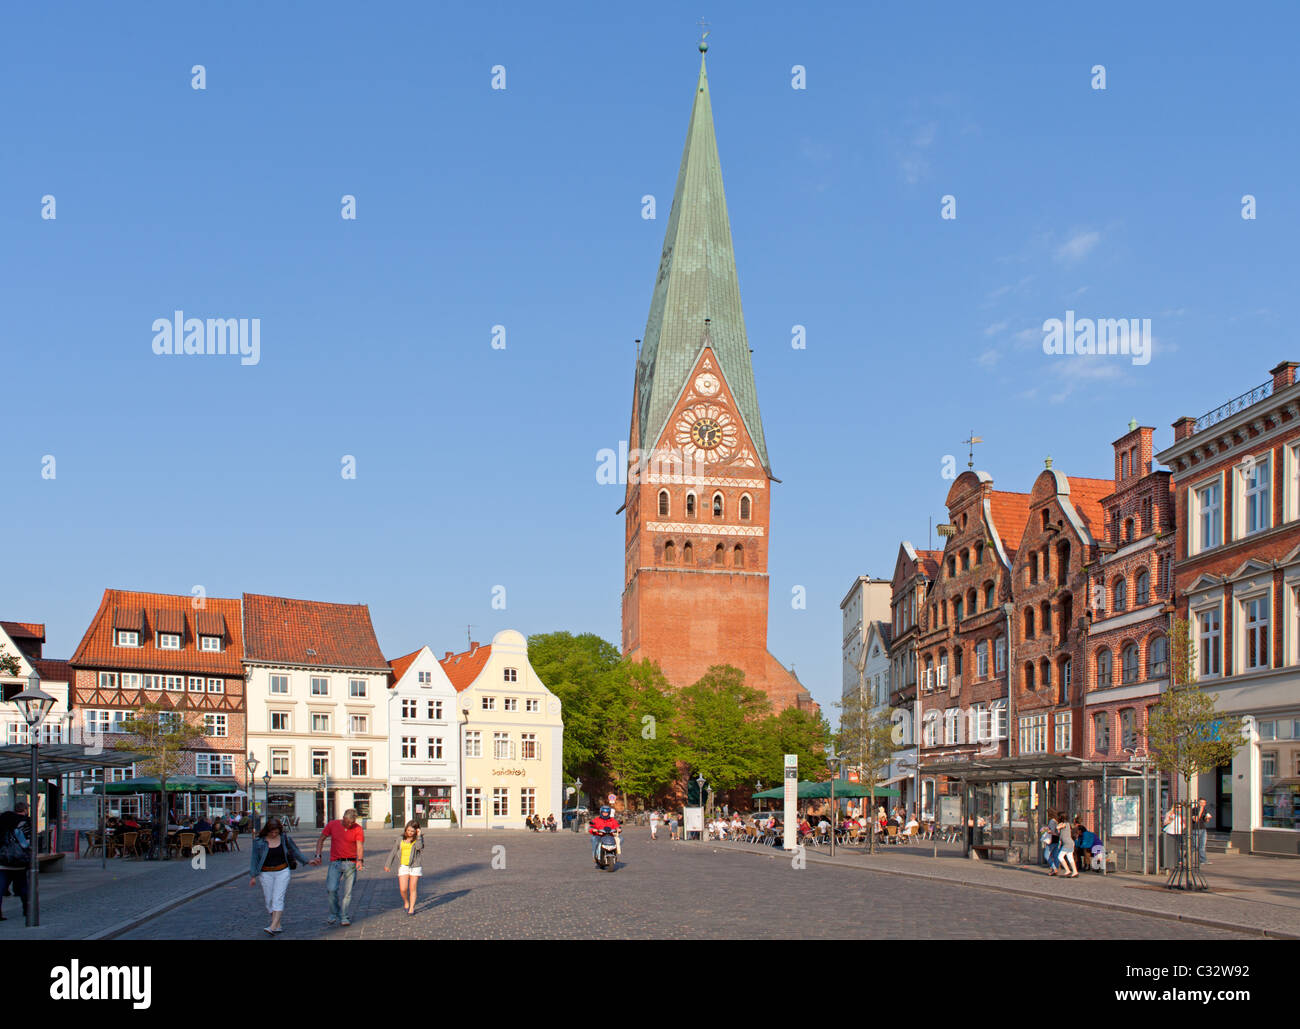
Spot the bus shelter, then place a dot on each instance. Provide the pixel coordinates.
(1005, 803)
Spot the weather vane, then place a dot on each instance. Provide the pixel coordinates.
(704, 34)
(972, 441)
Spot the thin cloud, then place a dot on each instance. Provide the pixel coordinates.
(1078, 246)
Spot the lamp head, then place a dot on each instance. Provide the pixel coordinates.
(33, 702)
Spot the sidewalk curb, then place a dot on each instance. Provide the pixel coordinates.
(1209, 923)
(112, 932)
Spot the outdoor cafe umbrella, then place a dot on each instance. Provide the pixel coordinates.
(822, 790)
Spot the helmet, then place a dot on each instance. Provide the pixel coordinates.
(606, 811)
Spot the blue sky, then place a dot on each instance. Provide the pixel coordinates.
(476, 467)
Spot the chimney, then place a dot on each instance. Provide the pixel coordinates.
(447, 657)
(473, 646)
(1183, 428)
(1283, 376)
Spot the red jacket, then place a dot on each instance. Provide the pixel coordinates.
(600, 824)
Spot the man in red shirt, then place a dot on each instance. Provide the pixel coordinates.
(347, 848)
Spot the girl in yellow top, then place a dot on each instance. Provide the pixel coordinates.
(409, 850)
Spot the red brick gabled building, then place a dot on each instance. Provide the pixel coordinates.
(160, 648)
(1129, 588)
(914, 571)
(1059, 541)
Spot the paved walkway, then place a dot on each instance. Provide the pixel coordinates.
(1255, 894)
(86, 900)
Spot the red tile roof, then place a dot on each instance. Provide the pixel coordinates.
(399, 665)
(1086, 496)
(96, 649)
(280, 630)
(1010, 512)
(51, 670)
(24, 630)
(930, 560)
(462, 669)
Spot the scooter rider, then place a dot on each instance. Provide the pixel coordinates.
(605, 820)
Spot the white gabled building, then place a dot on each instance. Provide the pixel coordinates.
(423, 741)
(512, 735)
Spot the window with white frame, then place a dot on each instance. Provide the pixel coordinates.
(1209, 638)
(951, 722)
(214, 725)
(503, 749)
(280, 721)
(211, 643)
(410, 708)
(96, 722)
(359, 725)
(930, 729)
(1208, 519)
(943, 670)
(1033, 734)
(473, 743)
(215, 764)
(129, 680)
(489, 703)
(169, 641)
(510, 675)
(357, 687)
(500, 802)
(320, 721)
(1062, 732)
(424, 678)
(532, 705)
(528, 801)
(1255, 611)
(196, 684)
(980, 723)
(999, 713)
(528, 746)
(108, 680)
(408, 747)
(127, 638)
(982, 659)
(216, 685)
(320, 763)
(473, 801)
(360, 763)
(1258, 508)
(435, 710)
(510, 704)
(170, 721)
(435, 748)
(280, 685)
(320, 686)
(279, 762)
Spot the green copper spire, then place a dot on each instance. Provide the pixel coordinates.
(697, 280)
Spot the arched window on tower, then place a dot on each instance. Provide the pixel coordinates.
(688, 553)
(663, 503)
(738, 556)
(690, 505)
(744, 508)
(670, 553)
(717, 505)
(719, 555)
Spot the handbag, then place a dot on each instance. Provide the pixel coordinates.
(13, 853)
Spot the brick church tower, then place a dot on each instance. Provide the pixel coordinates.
(698, 499)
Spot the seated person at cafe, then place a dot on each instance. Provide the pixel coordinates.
(203, 825)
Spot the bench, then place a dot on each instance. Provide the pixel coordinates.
(50, 863)
(984, 851)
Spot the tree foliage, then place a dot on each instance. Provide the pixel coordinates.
(162, 735)
(9, 663)
(867, 741)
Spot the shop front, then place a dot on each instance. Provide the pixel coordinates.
(427, 804)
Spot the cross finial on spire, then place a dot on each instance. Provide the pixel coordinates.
(972, 441)
(704, 35)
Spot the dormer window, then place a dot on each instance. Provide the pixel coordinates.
(127, 638)
(169, 641)
(212, 643)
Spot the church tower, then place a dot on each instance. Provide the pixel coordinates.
(699, 483)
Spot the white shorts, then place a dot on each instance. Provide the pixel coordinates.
(408, 870)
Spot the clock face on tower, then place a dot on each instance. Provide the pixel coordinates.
(707, 433)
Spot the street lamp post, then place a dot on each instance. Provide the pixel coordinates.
(577, 792)
(834, 761)
(252, 764)
(759, 789)
(700, 782)
(266, 792)
(33, 703)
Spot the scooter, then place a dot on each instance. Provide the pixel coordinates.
(607, 849)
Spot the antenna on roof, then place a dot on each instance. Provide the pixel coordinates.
(469, 639)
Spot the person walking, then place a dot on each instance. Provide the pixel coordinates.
(408, 855)
(1053, 843)
(1066, 846)
(273, 859)
(1200, 835)
(347, 854)
(15, 856)
(654, 824)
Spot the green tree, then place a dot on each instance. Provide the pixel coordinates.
(9, 663)
(867, 741)
(636, 707)
(1186, 735)
(794, 732)
(719, 728)
(574, 668)
(162, 736)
